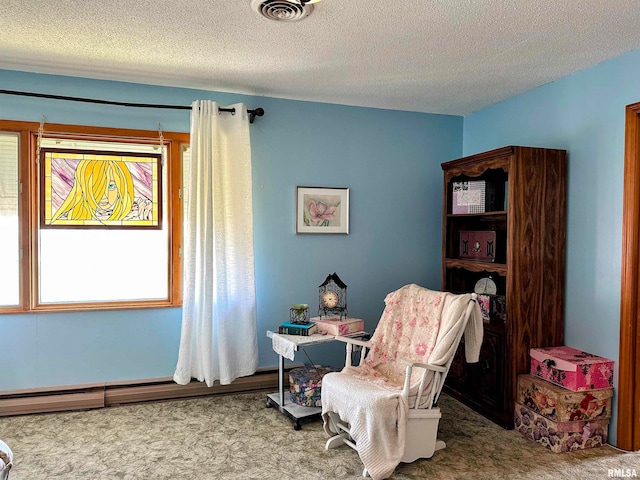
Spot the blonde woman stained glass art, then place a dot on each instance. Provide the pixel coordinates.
(83, 189)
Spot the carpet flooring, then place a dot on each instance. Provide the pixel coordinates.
(236, 437)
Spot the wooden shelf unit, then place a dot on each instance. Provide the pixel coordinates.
(527, 210)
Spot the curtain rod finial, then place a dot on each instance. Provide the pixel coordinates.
(256, 112)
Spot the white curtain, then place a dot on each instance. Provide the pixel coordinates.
(219, 333)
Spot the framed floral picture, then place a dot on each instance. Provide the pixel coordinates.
(322, 210)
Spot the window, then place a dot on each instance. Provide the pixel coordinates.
(119, 255)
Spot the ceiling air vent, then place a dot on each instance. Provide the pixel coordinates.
(281, 10)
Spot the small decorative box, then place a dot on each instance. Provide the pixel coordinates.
(560, 436)
(493, 307)
(468, 197)
(572, 368)
(484, 301)
(478, 245)
(305, 384)
(561, 405)
(336, 326)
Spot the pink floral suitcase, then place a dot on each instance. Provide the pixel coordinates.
(572, 368)
(560, 436)
(562, 405)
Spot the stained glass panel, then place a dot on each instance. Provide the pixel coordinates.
(88, 189)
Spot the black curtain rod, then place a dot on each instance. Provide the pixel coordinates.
(256, 112)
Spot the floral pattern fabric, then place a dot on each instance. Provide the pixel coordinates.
(305, 384)
(560, 437)
(408, 330)
(572, 368)
(562, 405)
(6, 459)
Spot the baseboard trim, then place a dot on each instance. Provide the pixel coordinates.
(169, 390)
(38, 402)
(88, 396)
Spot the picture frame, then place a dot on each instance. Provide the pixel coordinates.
(322, 210)
(100, 189)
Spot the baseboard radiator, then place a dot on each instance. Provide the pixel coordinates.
(99, 395)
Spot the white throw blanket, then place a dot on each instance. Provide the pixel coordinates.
(377, 417)
(373, 404)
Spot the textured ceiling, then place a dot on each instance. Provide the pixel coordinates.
(437, 56)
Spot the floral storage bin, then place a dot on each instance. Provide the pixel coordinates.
(560, 437)
(572, 368)
(305, 384)
(562, 405)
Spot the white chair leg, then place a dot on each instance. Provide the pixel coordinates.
(330, 426)
(336, 441)
(365, 472)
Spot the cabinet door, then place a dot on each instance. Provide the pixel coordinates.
(483, 382)
(488, 382)
(459, 376)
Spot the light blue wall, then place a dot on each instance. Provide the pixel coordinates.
(583, 113)
(390, 161)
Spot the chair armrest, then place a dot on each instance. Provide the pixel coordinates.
(365, 345)
(427, 366)
(436, 384)
(355, 341)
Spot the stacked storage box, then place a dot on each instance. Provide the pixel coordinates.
(566, 403)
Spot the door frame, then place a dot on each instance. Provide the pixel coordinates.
(628, 372)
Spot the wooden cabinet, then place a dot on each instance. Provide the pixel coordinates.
(525, 205)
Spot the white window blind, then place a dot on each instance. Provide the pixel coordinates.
(9, 226)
